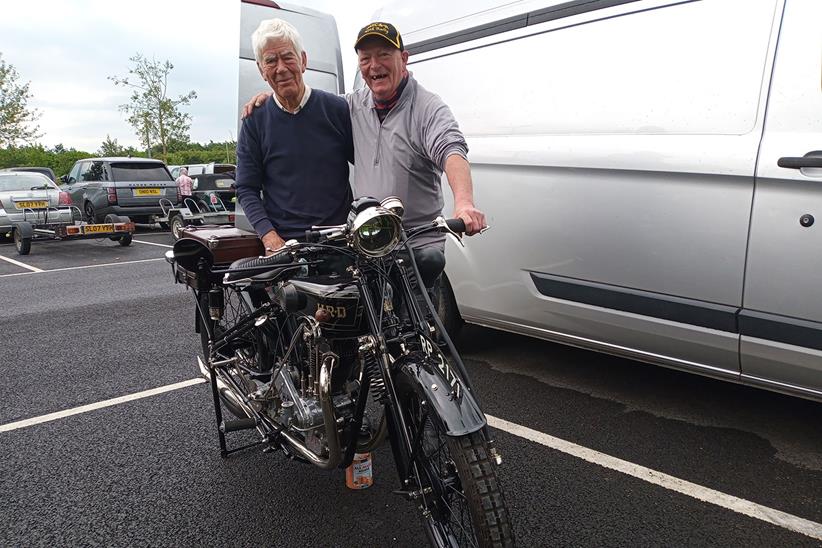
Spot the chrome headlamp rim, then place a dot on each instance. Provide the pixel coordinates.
(371, 214)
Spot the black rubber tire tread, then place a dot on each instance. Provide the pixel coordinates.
(23, 245)
(484, 497)
(479, 484)
(125, 240)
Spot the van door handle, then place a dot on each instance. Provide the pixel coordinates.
(811, 159)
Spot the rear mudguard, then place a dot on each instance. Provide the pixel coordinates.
(430, 377)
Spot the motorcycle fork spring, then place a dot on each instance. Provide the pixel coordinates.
(377, 383)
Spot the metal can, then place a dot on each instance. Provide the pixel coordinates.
(359, 474)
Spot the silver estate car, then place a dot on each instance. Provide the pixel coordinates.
(28, 196)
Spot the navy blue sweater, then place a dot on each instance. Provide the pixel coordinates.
(299, 161)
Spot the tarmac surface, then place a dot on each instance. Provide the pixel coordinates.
(100, 321)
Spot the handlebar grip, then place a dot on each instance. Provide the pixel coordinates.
(312, 236)
(281, 257)
(456, 225)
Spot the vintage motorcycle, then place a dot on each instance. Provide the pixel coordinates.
(331, 346)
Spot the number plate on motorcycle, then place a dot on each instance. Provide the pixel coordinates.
(31, 204)
(88, 229)
(147, 192)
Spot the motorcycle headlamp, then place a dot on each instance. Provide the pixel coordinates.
(376, 231)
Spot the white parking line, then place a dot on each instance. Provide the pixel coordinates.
(151, 243)
(23, 265)
(736, 504)
(38, 271)
(711, 496)
(99, 405)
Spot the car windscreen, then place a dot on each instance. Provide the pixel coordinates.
(139, 171)
(24, 181)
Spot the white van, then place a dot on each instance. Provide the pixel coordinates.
(652, 171)
(321, 43)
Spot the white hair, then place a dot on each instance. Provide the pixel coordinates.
(275, 29)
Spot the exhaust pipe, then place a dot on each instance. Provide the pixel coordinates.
(238, 407)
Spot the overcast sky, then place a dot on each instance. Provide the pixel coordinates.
(68, 48)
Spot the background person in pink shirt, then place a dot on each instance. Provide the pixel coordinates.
(184, 183)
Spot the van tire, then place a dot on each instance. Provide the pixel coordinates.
(448, 311)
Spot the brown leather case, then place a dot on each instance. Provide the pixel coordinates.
(226, 242)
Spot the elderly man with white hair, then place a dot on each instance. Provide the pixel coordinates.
(294, 150)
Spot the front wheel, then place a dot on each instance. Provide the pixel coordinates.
(464, 504)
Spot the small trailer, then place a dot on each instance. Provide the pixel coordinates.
(212, 202)
(62, 223)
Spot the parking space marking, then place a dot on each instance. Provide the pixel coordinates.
(741, 506)
(151, 243)
(711, 496)
(99, 405)
(39, 271)
(22, 265)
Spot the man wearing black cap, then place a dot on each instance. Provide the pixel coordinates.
(406, 136)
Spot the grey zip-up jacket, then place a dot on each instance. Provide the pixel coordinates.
(404, 156)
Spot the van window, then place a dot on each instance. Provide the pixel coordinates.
(693, 68)
(139, 171)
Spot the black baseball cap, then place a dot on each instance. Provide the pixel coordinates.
(386, 31)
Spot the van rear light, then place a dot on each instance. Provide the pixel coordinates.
(64, 198)
(112, 195)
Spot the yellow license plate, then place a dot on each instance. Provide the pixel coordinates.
(88, 229)
(32, 204)
(147, 191)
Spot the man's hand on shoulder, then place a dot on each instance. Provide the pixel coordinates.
(256, 101)
(272, 242)
(473, 217)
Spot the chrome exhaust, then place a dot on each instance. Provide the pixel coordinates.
(238, 407)
(330, 420)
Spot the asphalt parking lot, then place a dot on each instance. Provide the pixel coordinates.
(597, 450)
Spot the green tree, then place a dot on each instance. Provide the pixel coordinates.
(155, 117)
(110, 147)
(16, 118)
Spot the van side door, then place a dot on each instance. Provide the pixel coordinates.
(781, 319)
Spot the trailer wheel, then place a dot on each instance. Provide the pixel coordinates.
(22, 243)
(177, 226)
(125, 240)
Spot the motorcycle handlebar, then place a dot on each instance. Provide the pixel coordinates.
(455, 225)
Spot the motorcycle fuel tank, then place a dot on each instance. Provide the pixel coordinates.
(339, 297)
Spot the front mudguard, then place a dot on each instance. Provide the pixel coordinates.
(432, 379)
